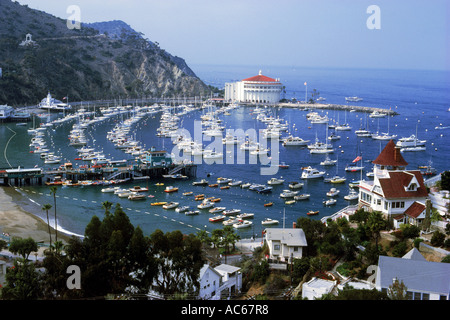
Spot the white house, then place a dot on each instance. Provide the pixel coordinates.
(257, 89)
(316, 288)
(210, 281)
(396, 192)
(424, 280)
(285, 243)
(219, 282)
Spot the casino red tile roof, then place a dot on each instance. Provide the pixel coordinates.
(415, 209)
(390, 156)
(395, 186)
(260, 78)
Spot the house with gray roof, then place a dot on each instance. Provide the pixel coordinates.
(424, 280)
(285, 243)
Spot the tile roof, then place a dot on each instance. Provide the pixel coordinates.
(390, 156)
(260, 78)
(415, 209)
(394, 186)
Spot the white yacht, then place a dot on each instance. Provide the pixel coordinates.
(411, 141)
(311, 173)
(294, 141)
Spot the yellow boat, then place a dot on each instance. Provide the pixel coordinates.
(159, 184)
(158, 203)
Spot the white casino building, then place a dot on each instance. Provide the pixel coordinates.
(257, 89)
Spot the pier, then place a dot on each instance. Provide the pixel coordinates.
(21, 176)
(99, 174)
(337, 107)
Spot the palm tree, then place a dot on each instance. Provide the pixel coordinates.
(47, 207)
(53, 190)
(107, 205)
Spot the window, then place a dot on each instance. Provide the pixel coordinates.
(442, 297)
(276, 247)
(425, 296)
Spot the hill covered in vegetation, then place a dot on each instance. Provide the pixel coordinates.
(99, 60)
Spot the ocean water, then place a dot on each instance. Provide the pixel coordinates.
(420, 97)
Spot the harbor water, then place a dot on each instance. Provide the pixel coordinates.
(421, 98)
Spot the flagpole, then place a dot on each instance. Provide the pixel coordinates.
(306, 92)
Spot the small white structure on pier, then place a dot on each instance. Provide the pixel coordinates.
(28, 42)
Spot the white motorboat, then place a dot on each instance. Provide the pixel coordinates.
(411, 141)
(288, 194)
(269, 221)
(221, 180)
(377, 114)
(275, 181)
(303, 196)
(170, 205)
(311, 173)
(191, 212)
(353, 167)
(330, 202)
(294, 141)
(242, 224)
(353, 99)
(333, 192)
(231, 212)
(409, 149)
(217, 210)
(328, 162)
(182, 209)
(295, 185)
(235, 183)
(245, 216)
(337, 179)
(205, 205)
(230, 222)
(352, 195)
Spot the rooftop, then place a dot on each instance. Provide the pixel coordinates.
(260, 78)
(390, 156)
(288, 236)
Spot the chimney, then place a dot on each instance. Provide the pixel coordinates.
(397, 155)
(294, 225)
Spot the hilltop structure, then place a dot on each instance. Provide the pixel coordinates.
(257, 89)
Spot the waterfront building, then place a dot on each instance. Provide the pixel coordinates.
(158, 158)
(256, 89)
(398, 193)
(5, 112)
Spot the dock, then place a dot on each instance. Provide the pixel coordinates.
(347, 107)
(100, 174)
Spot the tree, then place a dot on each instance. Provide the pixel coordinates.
(21, 282)
(178, 260)
(47, 207)
(23, 247)
(437, 239)
(397, 291)
(53, 190)
(445, 180)
(376, 223)
(107, 206)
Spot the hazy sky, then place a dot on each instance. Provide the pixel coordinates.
(413, 34)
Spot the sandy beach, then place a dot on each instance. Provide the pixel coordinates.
(19, 223)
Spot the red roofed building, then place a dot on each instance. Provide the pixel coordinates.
(257, 89)
(398, 193)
